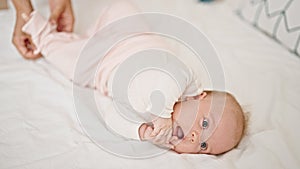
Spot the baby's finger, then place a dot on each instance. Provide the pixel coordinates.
(160, 138)
(163, 137)
(169, 135)
(175, 140)
(155, 131)
(148, 132)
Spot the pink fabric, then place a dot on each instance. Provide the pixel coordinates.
(62, 49)
(59, 48)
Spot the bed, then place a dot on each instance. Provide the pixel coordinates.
(39, 127)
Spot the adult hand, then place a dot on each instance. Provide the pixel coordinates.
(62, 15)
(21, 40)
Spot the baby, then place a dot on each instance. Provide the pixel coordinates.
(191, 126)
(187, 123)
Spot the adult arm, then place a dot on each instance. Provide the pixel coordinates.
(22, 41)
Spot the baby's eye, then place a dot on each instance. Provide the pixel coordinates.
(203, 146)
(204, 123)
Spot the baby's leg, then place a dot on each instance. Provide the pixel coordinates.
(112, 12)
(59, 48)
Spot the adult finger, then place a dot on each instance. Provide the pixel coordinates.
(66, 21)
(20, 46)
(26, 47)
(31, 55)
(31, 48)
(68, 27)
(56, 13)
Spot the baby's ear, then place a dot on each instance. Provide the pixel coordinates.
(198, 97)
(201, 96)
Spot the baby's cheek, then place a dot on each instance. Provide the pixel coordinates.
(186, 147)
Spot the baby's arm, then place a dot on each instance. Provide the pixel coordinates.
(59, 48)
(156, 97)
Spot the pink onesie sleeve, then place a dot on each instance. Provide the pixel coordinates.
(62, 49)
(59, 48)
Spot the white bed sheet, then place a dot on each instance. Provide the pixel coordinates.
(38, 125)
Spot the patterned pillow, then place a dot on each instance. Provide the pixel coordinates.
(279, 19)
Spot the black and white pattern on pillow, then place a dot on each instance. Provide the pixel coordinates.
(279, 19)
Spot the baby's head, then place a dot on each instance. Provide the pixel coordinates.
(211, 130)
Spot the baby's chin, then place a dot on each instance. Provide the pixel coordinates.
(192, 149)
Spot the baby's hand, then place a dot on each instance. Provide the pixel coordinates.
(162, 132)
(145, 136)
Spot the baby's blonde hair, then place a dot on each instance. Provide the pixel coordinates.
(233, 106)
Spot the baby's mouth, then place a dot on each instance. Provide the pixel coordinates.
(177, 131)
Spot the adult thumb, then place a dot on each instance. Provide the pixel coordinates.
(55, 14)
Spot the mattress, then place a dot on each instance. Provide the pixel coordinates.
(39, 126)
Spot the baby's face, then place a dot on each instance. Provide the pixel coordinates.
(188, 124)
(191, 124)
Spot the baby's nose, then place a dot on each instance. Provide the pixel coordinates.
(193, 137)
